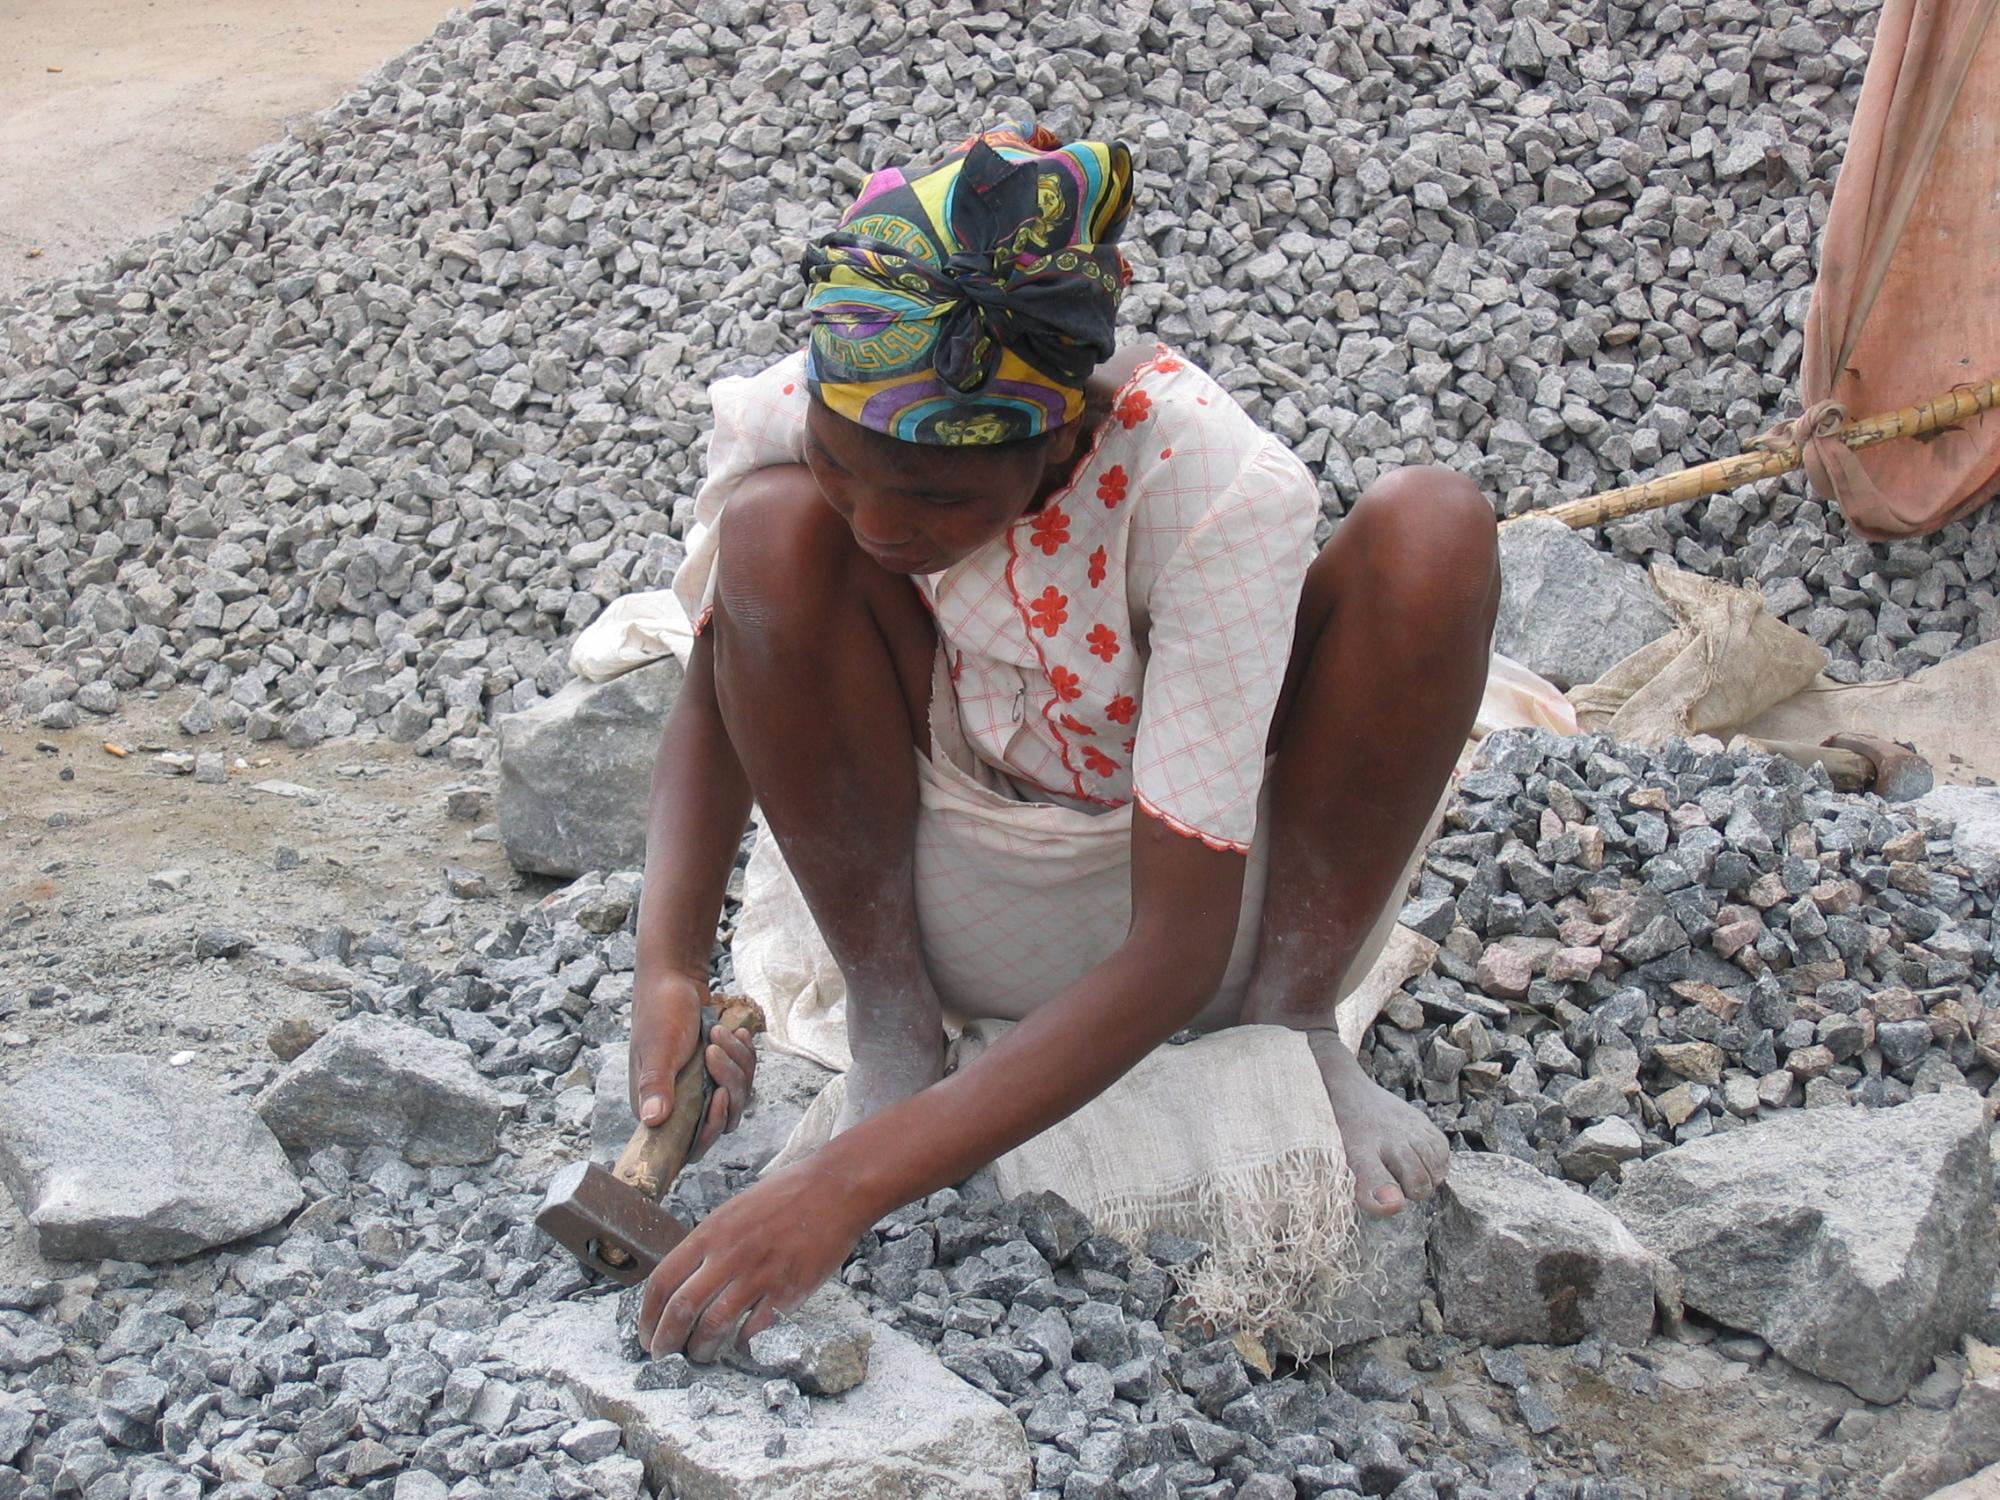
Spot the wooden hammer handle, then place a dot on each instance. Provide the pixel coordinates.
(654, 1156)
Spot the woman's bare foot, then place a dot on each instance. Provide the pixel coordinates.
(1396, 1153)
(896, 1050)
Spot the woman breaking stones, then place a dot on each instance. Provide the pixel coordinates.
(1020, 643)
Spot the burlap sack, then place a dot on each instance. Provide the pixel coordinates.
(1726, 661)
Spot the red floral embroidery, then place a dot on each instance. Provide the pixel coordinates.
(1111, 488)
(1065, 682)
(1097, 567)
(789, 388)
(1132, 408)
(1048, 612)
(1051, 530)
(1166, 364)
(1103, 642)
(1120, 709)
(1073, 724)
(1129, 744)
(1099, 762)
(1166, 453)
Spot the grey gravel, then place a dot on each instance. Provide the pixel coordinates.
(360, 444)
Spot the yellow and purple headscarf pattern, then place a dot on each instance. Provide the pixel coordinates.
(967, 304)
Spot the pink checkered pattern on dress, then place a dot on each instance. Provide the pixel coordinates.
(1128, 640)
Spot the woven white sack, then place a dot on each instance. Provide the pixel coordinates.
(1229, 1140)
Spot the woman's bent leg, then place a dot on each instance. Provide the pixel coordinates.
(823, 672)
(1394, 634)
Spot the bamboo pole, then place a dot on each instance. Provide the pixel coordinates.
(1780, 458)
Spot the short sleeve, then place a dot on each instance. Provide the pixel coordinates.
(1223, 608)
(758, 420)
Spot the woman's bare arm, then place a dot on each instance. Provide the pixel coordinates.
(699, 806)
(765, 1250)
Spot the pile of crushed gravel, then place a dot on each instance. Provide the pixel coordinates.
(1641, 948)
(361, 444)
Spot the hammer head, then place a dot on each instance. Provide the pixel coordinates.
(1901, 774)
(610, 1226)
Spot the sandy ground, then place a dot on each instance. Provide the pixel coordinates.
(97, 955)
(116, 114)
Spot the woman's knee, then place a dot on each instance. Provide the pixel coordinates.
(782, 559)
(793, 588)
(1426, 539)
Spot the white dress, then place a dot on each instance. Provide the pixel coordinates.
(1122, 647)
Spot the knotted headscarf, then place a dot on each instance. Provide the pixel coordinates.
(968, 303)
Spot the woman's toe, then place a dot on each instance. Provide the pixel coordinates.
(1412, 1174)
(1375, 1188)
(1437, 1158)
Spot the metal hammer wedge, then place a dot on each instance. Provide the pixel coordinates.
(612, 1221)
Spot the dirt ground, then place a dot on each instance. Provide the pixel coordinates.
(96, 954)
(116, 114)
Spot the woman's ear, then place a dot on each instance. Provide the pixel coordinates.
(1062, 444)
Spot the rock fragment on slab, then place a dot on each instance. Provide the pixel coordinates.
(912, 1429)
(1856, 1243)
(374, 1081)
(821, 1346)
(1567, 610)
(1520, 1258)
(575, 772)
(118, 1156)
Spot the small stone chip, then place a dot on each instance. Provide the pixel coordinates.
(587, 1442)
(822, 1346)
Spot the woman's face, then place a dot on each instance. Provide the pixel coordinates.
(919, 508)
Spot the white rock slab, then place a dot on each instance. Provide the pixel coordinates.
(911, 1431)
(1975, 812)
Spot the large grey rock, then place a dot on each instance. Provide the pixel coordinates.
(1856, 1243)
(1520, 1258)
(121, 1157)
(374, 1081)
(1567, 610)
(779, 1094)
(575, 772)
(911, 1431)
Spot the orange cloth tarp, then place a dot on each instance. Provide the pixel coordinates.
(1908, 301)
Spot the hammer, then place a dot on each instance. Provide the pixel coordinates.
(612, 1221)
(1860, 762)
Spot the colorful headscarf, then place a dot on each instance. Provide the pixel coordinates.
(968, 303)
